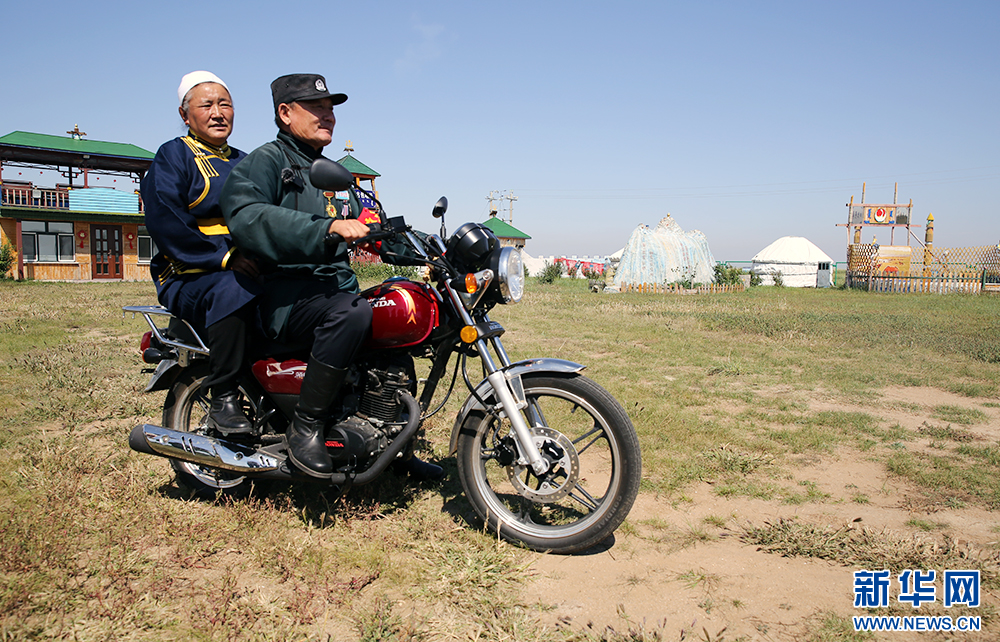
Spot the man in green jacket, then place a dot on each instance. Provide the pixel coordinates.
(299, 235)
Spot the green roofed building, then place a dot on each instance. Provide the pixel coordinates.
(507, 233)
(361, 171)
(75, 151)
(91, 226)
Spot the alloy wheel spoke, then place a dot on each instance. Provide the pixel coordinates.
(596, 429)
(587, 500)
(524, 513)
(535, 414)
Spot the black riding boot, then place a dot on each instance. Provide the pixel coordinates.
(305, 436)
(418, 468)
(227, 344)
(410, 464)
(226, 414)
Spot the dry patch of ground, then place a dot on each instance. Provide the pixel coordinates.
(681, 566)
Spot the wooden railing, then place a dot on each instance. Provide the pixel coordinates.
(39, 197)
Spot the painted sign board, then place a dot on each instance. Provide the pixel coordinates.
(865, 214)
(893, 260)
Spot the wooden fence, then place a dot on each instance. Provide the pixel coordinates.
(674, 288)
(970, 270)
(936, 285)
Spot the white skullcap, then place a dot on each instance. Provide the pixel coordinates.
(196, 78)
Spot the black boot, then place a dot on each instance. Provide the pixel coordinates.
(419, 469)
(227, 348)
(227, 416)
(306, 437)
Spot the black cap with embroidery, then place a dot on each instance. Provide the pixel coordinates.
(293, 87)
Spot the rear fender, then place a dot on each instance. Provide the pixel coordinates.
(485, 390)
(164, 375)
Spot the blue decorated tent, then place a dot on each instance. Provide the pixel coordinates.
(665, 254)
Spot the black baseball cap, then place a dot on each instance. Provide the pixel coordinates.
(294, 87)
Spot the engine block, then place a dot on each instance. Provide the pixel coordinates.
(378, 398)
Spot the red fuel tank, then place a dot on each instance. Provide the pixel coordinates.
(280, 377)
(403, 313)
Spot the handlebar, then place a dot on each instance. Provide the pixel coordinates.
(379, 232)
(431, 255)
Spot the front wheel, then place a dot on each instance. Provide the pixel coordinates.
(594, 471)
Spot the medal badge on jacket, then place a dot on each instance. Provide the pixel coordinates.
(334, 203)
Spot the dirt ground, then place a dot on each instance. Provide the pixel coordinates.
(719, 583)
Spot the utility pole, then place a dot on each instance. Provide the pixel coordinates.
(497, 210)
(510, 207)
(494, 196)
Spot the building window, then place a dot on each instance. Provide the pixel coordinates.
(824, 266)
(47, 241)
(147, 248)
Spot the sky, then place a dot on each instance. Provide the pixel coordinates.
(748, 121)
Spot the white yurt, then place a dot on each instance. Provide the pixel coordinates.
(800, 262)
(534, 266)
(665, 254)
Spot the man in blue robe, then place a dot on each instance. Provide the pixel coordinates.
(200, 276)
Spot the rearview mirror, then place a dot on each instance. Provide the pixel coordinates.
(325, 174)
(440, 207)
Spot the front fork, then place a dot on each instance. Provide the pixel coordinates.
(510, 403)
(511, 397)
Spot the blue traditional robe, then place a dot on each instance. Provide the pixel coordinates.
(180, 193)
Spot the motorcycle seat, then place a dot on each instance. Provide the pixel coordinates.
(260, 346)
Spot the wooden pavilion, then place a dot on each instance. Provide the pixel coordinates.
(74, 230)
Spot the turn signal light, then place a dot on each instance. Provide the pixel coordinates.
(469, 334)
(472, 282)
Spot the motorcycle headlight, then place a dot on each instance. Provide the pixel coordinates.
(509, 270)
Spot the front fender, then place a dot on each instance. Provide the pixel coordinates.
(485, 390)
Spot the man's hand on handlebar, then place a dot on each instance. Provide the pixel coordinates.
(348, 229)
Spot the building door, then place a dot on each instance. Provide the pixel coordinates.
(106, 251)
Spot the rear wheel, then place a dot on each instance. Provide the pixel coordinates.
(594, 471)
(186, 409)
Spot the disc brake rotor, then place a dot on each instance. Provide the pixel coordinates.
(564, 468)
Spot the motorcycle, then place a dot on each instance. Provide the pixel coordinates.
(546, 457)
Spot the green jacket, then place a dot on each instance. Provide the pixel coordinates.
(282, 224)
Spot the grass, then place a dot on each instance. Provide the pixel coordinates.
(945, 432)
(967, 473)
(959, 415)
(863, 547)
(926, 525)
(830, 627)
(97, 542)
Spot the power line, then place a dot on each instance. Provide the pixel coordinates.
(763, 189)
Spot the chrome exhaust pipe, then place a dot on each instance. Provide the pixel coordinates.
(200, 449)
(218, 453)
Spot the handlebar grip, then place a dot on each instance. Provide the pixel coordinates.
(332, 238)
(379, 235)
